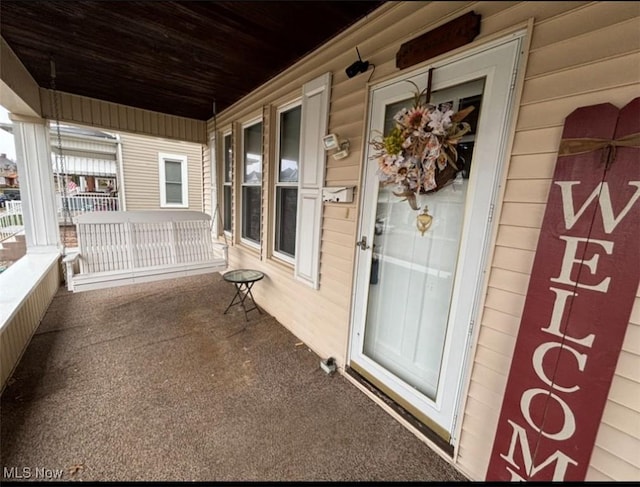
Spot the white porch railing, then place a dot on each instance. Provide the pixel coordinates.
(11, 216)
(11, 219)
(14, 207)
(85, 203)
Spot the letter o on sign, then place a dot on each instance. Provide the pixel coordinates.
(568, 425)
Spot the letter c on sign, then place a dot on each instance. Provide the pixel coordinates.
(569, 424)
(538, 357)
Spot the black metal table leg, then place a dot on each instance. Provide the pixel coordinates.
(237, 295)
(255, 305)
(243, 279)
(243, 290)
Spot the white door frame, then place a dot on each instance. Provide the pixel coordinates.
(497, 62)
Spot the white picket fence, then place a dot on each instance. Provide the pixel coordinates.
(68, 207)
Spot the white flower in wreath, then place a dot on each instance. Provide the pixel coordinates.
(440, 121)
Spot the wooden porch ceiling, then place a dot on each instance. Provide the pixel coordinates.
(173, 57)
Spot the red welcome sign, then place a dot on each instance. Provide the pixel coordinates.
(583, 284)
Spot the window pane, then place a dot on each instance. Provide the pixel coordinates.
(227, 208)
(289, 145)
(226, 147)
(174, 193)
(472, 118)
(253, 154)
(390, 112)
(173, 171)
(286, 210)
(251, 213)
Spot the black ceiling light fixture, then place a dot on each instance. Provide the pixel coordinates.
(357, 67)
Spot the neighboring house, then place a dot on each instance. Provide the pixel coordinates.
(161, 173)
(89, 159)
(8, 172)
(145, 172)
(439, 347)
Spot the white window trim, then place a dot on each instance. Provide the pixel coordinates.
(182, 159)
(240, 160)
(274, 216)
(215, 193)
(225, 134)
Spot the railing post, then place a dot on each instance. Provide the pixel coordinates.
(31, 137)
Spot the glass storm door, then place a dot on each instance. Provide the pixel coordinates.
(415, 293)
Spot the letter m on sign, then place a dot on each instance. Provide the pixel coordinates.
(581, 292)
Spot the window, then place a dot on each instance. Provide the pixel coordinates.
(286, 182)
(173, 181)
(251, 182)
(226, 181)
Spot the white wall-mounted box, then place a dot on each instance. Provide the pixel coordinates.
(338, 194)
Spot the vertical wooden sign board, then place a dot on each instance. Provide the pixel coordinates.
(583, 284)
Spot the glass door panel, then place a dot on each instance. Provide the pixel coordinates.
(412, 275)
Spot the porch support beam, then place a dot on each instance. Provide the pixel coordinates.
(31, 137)
(19, 92)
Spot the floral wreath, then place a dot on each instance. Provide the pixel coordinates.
(419, 155)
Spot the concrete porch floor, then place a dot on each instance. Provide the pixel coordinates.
(153, 382)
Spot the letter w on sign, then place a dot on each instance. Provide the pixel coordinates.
(583, 284)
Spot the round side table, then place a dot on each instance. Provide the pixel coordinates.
(243, 279)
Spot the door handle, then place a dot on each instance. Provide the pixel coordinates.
(363, 243)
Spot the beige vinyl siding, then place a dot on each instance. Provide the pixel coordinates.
(581, 53)
(112, 116)
(141, 170)
(572, 63)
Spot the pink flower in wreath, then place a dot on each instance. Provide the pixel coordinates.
(413, 118)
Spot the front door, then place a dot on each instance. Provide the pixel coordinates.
(416, 294)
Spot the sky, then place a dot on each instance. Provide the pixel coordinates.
(6, 139)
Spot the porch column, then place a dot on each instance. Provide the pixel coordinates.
(37, 192)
